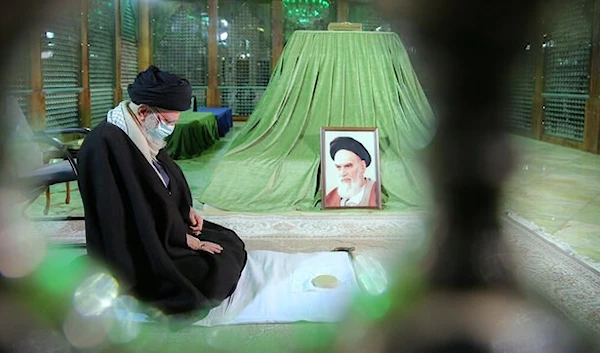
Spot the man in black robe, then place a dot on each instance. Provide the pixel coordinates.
(139, 218)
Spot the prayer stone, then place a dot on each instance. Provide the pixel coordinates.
(325, 281)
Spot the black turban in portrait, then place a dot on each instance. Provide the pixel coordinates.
(349, 144)
(161, 89)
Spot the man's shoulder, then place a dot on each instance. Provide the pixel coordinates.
(373, 194)
(105, 131)
(332, 193)
(332, 198)
(104, 136)
(371, 185)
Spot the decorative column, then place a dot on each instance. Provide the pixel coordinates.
(85, 105)
(343, 11)
(277, 31)
(213, 97)
(591, 134)
(144, 48)
(118, 91)
(37, 100)
(537, 116)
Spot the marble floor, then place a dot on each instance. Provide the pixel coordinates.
(558, 189)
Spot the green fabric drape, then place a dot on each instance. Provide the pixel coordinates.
(194, 133)
(344, 79)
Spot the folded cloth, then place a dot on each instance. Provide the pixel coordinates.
(277, 287)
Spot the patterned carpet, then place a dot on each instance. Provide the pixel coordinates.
(563, 279)
(569, 281)
(305, 225)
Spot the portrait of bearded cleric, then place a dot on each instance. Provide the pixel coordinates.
(350, 168)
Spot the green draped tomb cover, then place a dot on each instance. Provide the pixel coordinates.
(194, 133)
(341, 79)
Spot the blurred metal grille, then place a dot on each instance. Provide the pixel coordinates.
(101, 39)
(368, 16)
(244, 54)
(102, 101)
(568, 49)
(24, 103)
(522, 85)
(61, 110)
(567, 69)
(129, 49)
(61, 48)
(17, 74)
(292, 23)
(564, 117)
(18, 67)
(181, 39)
(200, 93)
(241, 100)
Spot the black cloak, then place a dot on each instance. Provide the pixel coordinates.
(137, 228)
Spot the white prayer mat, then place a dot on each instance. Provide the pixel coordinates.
(277, 287)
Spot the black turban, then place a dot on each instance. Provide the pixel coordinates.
(350, 144)
(161, 89)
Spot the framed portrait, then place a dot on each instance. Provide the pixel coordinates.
(350, 173)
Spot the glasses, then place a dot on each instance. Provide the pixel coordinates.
(164, 119)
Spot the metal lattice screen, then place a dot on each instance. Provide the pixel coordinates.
(366, 14)
(129, 49)
(244, 54)
(522, 85)
(307, 15)
(181, 42)
(61, 48)
(567, 70)
(17, 74)
(101, 40)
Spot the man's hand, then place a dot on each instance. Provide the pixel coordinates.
(196, 221)
(197, 244)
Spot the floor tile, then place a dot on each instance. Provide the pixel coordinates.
(590, 213)
(583, 238)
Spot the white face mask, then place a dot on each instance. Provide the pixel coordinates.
(161, 130)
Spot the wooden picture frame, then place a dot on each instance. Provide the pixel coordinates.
(350, 168)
